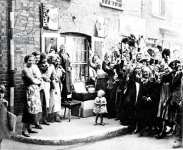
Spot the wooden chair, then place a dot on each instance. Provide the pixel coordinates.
(70, 105)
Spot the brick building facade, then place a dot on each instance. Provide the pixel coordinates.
(77, 18)
(27, 32)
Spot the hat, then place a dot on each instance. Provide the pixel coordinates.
(35, 53)
(151, 52)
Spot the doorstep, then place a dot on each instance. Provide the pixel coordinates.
(77, 131)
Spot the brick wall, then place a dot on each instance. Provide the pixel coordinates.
(27, 28)
(3, 42)
(27, 31)
(27, 39)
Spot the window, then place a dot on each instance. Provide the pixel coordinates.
(158, 8)
(77, 47)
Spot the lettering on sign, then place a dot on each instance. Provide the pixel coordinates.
(49, 17)
(115, 4)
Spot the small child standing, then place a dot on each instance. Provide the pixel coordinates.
(100, 106)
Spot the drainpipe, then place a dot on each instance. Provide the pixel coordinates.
(11, 54)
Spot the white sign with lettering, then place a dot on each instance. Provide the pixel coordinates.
(115, 4)
(50, 17)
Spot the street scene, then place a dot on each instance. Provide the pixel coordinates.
(91, 74)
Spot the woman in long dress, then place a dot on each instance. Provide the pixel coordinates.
(129, 100)
(32, 103)
(146, 103)
(55, 93)
(108, 69)
(46, 73)
(68, 69)
(163, 107)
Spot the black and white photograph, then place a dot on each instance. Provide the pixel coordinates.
(91, 74)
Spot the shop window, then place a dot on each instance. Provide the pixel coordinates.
(158, 8)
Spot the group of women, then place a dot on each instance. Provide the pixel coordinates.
(145, 94)
(47, 80)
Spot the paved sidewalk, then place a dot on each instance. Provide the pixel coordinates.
(76, 131)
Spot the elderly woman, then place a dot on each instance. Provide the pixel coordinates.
(145, 103)
(129, 100)
(46, 73)
(56, 88)
(32, 104)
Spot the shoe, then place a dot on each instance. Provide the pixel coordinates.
(57, 119)
(51, 118)
(102, 123)
(95, 124)
(160, 135)
(136, 131)
(38, 126)
(45, 123)
(31, 131)
(177, 144)
(25, 134)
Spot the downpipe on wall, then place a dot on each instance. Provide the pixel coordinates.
(11, 55)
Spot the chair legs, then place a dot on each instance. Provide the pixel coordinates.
(68, 114)
(64, 112)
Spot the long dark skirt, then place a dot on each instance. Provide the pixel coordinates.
(111, 96)
(101, 84)
(28, 117)
(128, 106)
(179, 123)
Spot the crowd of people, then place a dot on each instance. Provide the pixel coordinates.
(144, 92)
(142, 89)
(47, 82)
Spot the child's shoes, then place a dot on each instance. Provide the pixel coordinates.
(102, 123)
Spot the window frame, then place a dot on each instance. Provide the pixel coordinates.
(161, 12)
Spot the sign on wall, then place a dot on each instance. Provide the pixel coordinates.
(98, 46)
(100, 27)
(115, 4)
(49, 17)
(51, 41)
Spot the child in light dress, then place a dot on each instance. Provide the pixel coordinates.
(100, 107)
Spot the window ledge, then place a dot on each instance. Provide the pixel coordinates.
(159, 17)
